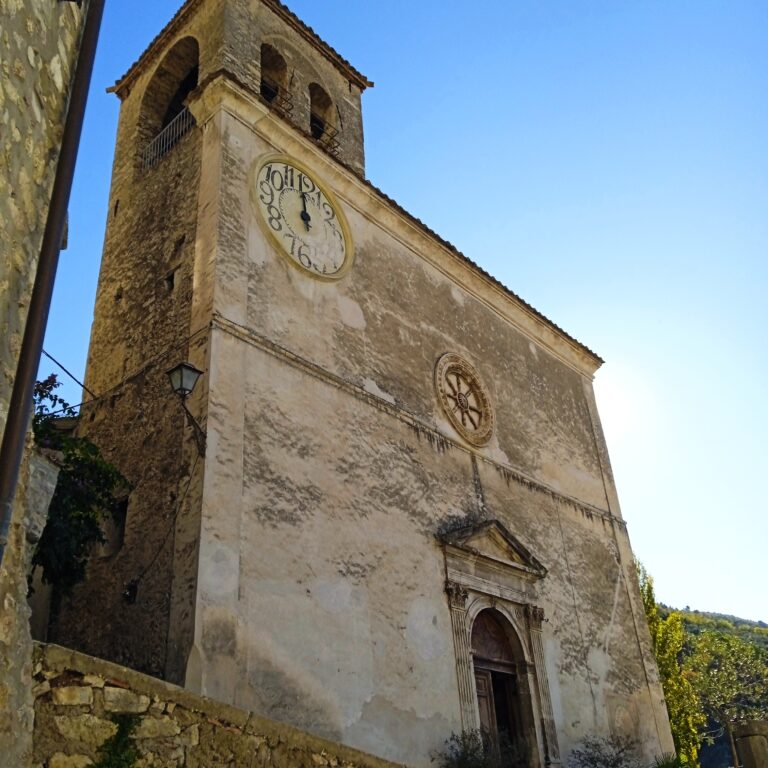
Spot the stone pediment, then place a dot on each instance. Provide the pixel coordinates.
(490, 543)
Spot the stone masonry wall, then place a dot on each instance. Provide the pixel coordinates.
(136, 414)
(79, 701)
(39, 42)
(36, 486)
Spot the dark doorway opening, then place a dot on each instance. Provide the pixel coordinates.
(503, 706)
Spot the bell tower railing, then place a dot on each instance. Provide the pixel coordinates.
(167, 139)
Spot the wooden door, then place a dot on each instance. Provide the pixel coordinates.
(484, 685)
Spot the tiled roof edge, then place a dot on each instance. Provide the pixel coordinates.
(474, 265)
(421, 225)
(277, 7)
(331, 53)
(445, 243)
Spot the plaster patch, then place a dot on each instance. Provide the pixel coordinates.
(55, 69)
(310, 288)
(333, 596)
(416, 735)
(257, 248)
(457, 294)
(425, 634)
(351, 313)
(219, 573)
(370, 386)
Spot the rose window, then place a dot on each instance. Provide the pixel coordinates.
(464, 399)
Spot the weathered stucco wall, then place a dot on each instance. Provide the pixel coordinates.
(321, 579)
(79, 700)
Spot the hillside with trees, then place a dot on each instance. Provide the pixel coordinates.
(714, 671)
(696, 622)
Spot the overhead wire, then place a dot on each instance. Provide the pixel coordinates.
(71, 375)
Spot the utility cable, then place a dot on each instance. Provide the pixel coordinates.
(71, 375)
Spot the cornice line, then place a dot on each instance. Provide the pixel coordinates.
(432, 435)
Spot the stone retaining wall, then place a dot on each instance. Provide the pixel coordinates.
(80, 700)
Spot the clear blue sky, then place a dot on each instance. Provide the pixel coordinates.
(608, 161)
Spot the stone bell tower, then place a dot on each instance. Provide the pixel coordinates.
(224, 78)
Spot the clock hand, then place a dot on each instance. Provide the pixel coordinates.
(305, 217)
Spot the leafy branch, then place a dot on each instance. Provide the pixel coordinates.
(89, 490)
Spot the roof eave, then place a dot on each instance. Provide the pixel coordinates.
(352, 74)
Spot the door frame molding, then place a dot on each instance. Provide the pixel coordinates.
(475, 582)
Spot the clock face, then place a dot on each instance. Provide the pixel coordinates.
(302, 218)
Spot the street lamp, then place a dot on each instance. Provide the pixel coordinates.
(183, 378)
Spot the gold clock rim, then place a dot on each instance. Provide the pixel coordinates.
(279, 157)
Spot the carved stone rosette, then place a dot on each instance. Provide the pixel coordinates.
(464, 399)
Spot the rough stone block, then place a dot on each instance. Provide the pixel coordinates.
(73, 696)
(60, 760)
(191, 736)
(41, 688)
(156, 727)
(124, 702)
(86, 729)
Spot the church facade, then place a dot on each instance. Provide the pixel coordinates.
(388, 513)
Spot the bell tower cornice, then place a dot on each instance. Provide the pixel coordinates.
(221, 90)
(190, 7)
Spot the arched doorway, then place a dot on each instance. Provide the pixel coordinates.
(503, 695)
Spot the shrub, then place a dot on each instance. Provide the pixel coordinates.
(670, 760)
(605, 752)
(475, 749)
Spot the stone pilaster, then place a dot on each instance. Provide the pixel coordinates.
(457, 599)
(535, 616)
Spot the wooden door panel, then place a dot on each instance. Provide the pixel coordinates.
(485, 702)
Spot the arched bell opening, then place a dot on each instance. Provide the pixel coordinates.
(503, 687)
(164, 117)
(274, 73)
(320, 113)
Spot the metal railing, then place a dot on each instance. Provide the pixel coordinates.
(277, 97)
(328, 139)
(167, 139)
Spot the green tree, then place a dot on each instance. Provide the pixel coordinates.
(686, 717)
(731, 678)
(88, 489)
